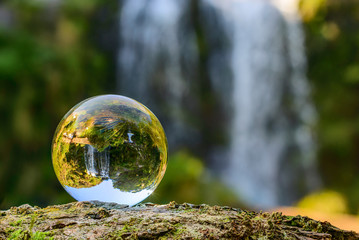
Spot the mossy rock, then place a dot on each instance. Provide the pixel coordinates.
(96, 220)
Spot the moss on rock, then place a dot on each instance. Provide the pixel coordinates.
(96, 220)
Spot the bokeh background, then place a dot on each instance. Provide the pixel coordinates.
(53, 54)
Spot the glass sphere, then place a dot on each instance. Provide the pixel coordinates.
(109, 148)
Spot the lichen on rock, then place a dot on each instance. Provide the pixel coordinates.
(96, 220)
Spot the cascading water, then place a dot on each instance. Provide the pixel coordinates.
(90, 162)
(271, 146)
(300, 89)
(256, 71)
(97, 163)
(157, 44)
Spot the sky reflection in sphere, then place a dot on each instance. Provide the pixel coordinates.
(109, 148)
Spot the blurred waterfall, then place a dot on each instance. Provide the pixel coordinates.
(157, 57)
(272, 153)
(249, 57)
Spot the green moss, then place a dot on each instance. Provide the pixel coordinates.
(177, 233)
(16, 223)
(21, 234)
(127, 231)
(41, 236)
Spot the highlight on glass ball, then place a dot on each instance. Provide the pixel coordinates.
(109, 148)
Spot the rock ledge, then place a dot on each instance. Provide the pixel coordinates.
(96, 220)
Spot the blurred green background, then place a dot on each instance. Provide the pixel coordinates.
(53, 57)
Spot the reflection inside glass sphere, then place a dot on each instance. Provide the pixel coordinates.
(109, 148)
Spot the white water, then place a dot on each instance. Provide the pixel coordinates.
(259, 75)
(97, 163)
(272, 151)
(152, 44)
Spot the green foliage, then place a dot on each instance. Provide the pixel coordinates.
(332, 43)
(187, 180)
(47, 64)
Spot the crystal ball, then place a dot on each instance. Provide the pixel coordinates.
(109, 148)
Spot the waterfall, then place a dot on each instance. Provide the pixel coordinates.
(259, 129)
(300, 89)
(254, 67)
(97, 163)
(272, 151)
(156, 57)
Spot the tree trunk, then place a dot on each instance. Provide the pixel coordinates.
(96, 220)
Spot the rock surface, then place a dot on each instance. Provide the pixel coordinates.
(96, 220)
